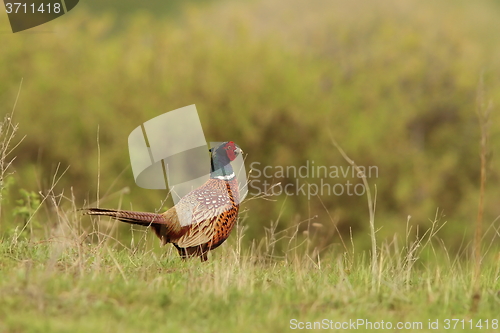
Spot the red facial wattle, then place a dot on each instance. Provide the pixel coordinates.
(230, 150)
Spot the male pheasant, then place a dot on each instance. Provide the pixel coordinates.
(202, 219)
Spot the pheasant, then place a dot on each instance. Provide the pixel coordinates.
(202, 219)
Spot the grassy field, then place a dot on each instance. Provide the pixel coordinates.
(81, 277)
(397, 84)
(68, 284)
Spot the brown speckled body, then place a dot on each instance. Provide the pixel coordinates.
(213, 208)
(218, 226)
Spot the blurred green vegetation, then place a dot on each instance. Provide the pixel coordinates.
(126, 8)
(395, 83)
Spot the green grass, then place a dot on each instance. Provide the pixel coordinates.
(394, 83)
(63, 284)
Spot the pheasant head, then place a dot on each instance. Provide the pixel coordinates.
(221, 157)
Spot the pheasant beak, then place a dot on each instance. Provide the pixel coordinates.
(238, 150)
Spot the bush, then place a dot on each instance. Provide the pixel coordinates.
(394, 83)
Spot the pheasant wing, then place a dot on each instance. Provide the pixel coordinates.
(198, 212)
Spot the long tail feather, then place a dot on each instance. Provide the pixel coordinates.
(139, 218)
